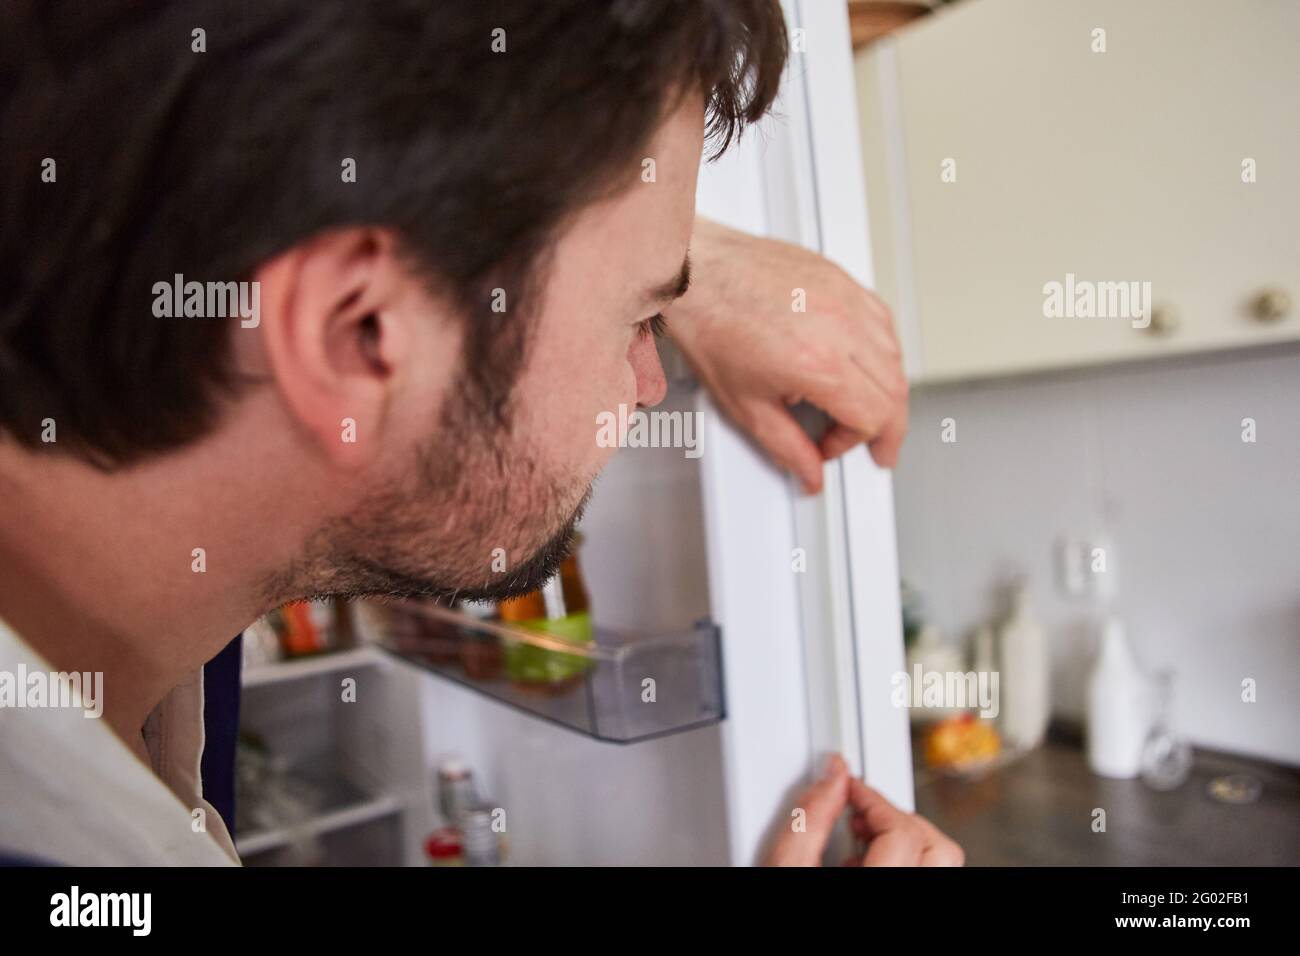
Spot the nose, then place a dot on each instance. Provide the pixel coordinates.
(651, 384)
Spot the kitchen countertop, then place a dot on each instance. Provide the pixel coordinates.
(1038, 811)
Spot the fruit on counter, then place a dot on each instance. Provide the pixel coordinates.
(961, 742)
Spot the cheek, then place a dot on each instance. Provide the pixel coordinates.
(603, 390)
(607, 376)
(565, 396)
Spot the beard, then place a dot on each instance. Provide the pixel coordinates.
(475, 517)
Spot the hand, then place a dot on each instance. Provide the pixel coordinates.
(738, 328)
(893, 836)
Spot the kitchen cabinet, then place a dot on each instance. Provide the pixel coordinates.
(1011, 144)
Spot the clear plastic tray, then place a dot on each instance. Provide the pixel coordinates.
(621, 687)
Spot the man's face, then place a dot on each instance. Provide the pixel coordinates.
(474, 499)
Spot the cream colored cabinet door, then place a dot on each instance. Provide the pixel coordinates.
(1013, 144)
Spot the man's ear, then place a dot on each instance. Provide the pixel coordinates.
(333, 338)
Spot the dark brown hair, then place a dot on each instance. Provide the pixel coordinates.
(208, 163)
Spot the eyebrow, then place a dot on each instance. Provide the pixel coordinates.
(673, 288)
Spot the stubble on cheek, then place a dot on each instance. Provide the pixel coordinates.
(475, 515)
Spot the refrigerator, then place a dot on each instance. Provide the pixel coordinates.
(765, 621)
(803, 590)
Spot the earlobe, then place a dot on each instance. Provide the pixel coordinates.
(326, 339)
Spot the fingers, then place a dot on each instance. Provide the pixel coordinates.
(898, 847)
(841, 354)
(866, 395)
(850, 392)
(886, 446)
(825, 800)
(878, 815)
(785, 441)
(898, 838)
(808, 830)
(873, 380)
(940, 850)
(839, 439)
(894, 837)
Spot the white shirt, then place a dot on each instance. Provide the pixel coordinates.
(72, 792)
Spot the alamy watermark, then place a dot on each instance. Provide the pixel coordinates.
(1085, 299)
(638, 428)
(951, 690)
(36, 689)
(133, 911)
(208, 300)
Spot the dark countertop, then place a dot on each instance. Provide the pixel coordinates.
(1038, 811)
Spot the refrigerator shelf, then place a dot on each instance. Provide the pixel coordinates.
(299, 668)
(622, 687)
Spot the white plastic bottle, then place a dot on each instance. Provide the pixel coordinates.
(1118, 707)
(1024, 678)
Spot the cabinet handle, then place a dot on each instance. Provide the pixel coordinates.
(1164, 320)
(1271, 305)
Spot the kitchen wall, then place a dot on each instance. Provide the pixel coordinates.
(1202, 529)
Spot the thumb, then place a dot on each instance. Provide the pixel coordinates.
(877, 814)
(818, 808)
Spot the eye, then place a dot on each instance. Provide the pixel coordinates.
(655, 325)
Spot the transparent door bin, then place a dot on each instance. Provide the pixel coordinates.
(621, 687)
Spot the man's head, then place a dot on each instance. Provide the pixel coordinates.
(456, 235)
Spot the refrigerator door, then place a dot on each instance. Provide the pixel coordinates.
(807, 654)
(859, 500)
(806, 589)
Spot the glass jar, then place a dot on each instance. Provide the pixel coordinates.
(1166, 757)
(561, 610)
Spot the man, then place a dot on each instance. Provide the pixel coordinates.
(324, 298)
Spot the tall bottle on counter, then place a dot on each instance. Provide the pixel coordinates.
(1118, 707)
(1025, 676)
